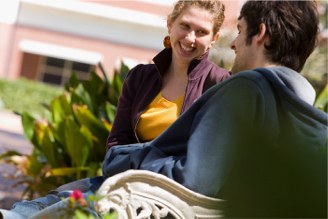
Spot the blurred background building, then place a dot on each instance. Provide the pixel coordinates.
(46, 40)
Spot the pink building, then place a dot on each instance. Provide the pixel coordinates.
(46, 40)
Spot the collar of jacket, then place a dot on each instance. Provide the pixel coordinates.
(163, 60)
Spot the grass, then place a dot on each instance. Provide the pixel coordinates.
(23, 95)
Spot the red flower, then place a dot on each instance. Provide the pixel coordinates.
(76, 199)
(76, 195)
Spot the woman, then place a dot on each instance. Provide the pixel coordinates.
(154, 95)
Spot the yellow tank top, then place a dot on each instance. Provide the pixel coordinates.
(160, 114)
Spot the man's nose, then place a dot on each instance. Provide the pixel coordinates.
(232, 45)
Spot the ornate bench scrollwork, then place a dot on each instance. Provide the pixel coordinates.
(137, 194)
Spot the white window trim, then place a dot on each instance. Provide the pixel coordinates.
(160, 2)
(9, 11)
(94, 20)
(106, 11)
(59, 51)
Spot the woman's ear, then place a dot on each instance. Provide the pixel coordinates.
(215, 38)
(168, 24)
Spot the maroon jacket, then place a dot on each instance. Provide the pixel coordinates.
(144, 82)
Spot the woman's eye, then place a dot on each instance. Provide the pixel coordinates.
(201, 32)
(184, 26)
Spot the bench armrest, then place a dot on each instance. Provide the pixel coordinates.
(141, 194)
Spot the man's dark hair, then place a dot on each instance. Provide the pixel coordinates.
(292, 28)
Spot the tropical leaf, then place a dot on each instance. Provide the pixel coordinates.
(110, 111)
(9, 154)
(61, 108)
(322, 100)
(28, 125)
(76, 142)
(66, 171)
(72, 83)
(85, 117)
(48, 147)
(82, 97)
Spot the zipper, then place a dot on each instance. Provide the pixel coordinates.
(135, 126)
(138, 119)
(184, 99)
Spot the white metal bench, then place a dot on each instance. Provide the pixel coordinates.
(137, 194)
(141, 194)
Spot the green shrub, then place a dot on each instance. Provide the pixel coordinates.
(70, 141)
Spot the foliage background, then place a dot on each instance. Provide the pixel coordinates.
(80, 109)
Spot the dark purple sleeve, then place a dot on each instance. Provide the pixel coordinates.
(122, 130)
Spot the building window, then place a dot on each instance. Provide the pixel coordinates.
(57, 71)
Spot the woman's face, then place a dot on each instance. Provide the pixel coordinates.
(191, 34)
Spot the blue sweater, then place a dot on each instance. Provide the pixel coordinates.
(254, 140)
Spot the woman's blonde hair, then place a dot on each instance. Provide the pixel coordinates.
(214, 7)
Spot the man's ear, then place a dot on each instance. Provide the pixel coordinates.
(261, 36)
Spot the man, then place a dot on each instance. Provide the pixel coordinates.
(255, 140)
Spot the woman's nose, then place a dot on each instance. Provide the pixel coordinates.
(191, 36)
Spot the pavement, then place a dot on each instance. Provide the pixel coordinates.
(11, 138)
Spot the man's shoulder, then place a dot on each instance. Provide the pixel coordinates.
(248, 76)
(240, 82)
(272, 74)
